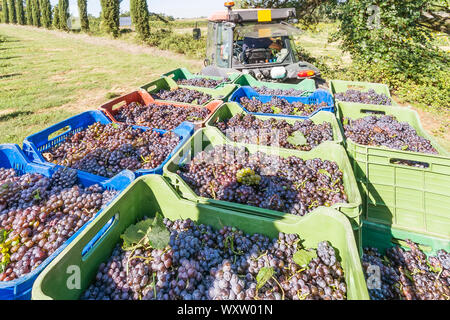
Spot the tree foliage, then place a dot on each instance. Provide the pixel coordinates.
(29, 12)
(12, 11)
(140, 18)
(36, 13)
(20, 12)
(46, 13)
(82, 9)
(110, 16)
(55, 21)
(5, 11)
(63, 8)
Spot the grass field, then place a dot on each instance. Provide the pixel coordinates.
(47, 76)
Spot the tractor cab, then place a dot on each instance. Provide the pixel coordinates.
(257, 42)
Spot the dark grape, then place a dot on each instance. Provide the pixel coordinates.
(280, 106)
(183, 95)
(202, 82)
(369, 97)
(279, 92)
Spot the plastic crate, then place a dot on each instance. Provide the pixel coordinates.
(152, 194)
(185, 74)
(230, 109)
(383, 237)
(207, 138)
(317, 97)
(307, 85)
(339, 86)
(12, 157)
(166, 83)
(403, 196)
(36, 144)
(144, 98)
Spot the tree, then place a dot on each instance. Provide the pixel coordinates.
(110, 16)
(29, 12)
(46, 12)
(140, 16)
(5, 11)
(63, 7)
(56, 17)
(82, 8)
(12, 11)
(36, 13)
(19, 12)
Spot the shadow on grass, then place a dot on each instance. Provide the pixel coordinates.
(14, 114)
(11, 57)
(6, 76)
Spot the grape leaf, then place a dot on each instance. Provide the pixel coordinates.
(325, 172)
(135, 233)
(303, 257)
(297, 139)
(345, 122)
(276, 110)
(404, 148)
(263, 276)
(3, 235)
(115, 125)
(159, 236)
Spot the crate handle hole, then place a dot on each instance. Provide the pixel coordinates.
(410, 163)
(172, 75)
(372, 111)
(100, 235)
(151, 88)
(58, 133)
(118, 106)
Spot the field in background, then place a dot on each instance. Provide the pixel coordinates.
(47, 76)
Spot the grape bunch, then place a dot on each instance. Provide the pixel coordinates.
(202, 82)
(201, 263)
(165, 117)
(106, 150)
(386, 131)
(290, 185)
(279, 92)
(281, 106)
(407, 274)
(38, 214)
(183, 95)
(369, 97)
(246, 128)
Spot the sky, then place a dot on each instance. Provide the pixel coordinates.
(176, 8)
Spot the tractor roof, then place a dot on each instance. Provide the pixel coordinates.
(253, 15)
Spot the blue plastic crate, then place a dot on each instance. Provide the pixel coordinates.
(317, 97)
(36, 144)
(11, 156)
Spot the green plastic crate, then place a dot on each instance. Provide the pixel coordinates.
(417, 199)
(185, 74)
(151, 194)
(307, 85)
(383, 237)
(230, 109)
(338, 86)
(166, 83)
(206, 137)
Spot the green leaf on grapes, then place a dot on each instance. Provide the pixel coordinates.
(276, 110)
(37, 194)
(408, 275)
(263, 276)
(435, 269)
(297, 139)
(303, 257)
(135, 233)
(404, 148)
(195, 101)
(3, 235)
(115, 125)
(325, 172)
(345, 122)
(4, 186)
(159, 236)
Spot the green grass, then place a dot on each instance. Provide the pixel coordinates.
(45, 78)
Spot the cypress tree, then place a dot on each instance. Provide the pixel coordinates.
(63, 7)
(139, 17)
(5, 11)
(46, 13)
(19, 12)
(82, 8)
(36, 13)
(29, 10)
(110, 16)
(56, 17)
(12, 11)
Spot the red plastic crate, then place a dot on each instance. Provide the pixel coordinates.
(111, 108)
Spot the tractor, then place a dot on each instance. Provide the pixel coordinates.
(258, 42)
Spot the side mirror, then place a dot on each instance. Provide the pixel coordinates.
(197, 33)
